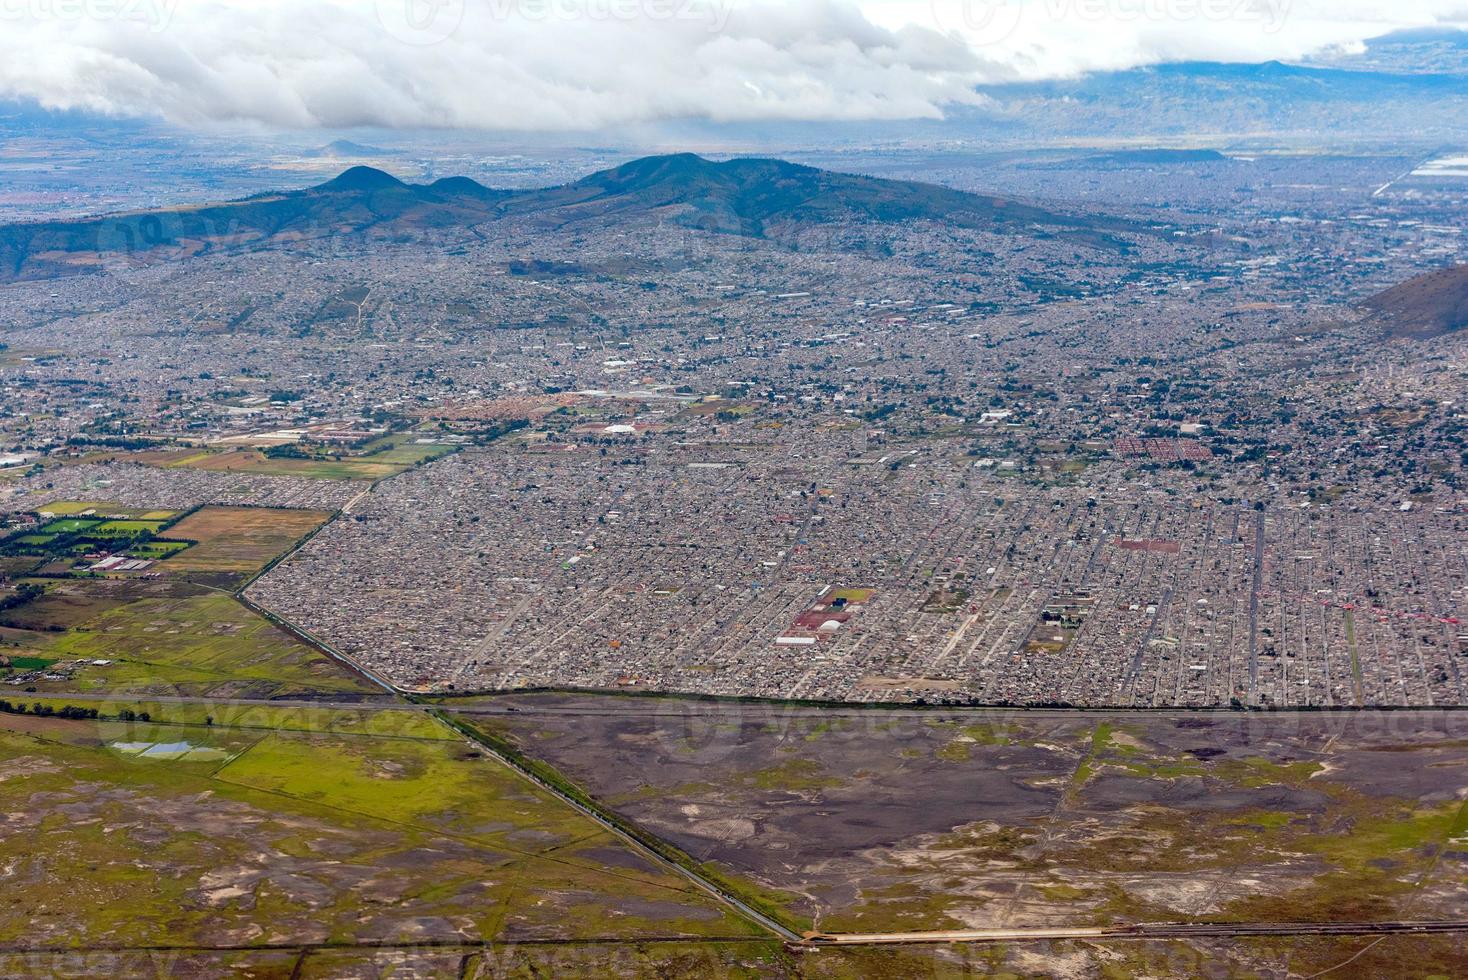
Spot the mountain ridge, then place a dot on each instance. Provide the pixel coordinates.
(746, 196)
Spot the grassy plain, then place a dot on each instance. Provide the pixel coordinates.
(196, 643)
(270, 838)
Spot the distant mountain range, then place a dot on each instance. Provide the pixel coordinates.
(346, 150)
(749, 197)
(1432, 50)
(1383, 101)
(1163, 157)
(1428, 306)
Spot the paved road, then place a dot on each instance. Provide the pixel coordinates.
(1160, 930)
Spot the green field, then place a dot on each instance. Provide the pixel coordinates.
(374, 718)
(203, 643)
(224, 837)
(183, 633)
(33, 540)
(66, 538)
(68, 508)
(157, 550)
(122, 529)
(69, 525)
(424, 783)
(30, 663)
(103, 509)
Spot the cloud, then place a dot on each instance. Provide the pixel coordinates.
(567, 65)
(1045, 39)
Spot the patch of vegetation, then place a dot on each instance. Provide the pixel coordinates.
(349, 837)
(792, 776)
(196, 644)
(25, 663)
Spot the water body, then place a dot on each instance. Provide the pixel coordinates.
(169, 750)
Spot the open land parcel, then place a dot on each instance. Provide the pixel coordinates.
(172, 626)
(892, 820)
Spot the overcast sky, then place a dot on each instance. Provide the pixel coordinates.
(563, 65)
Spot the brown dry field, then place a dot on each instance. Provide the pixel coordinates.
(252, 461)
(877, 820)
(236, 541)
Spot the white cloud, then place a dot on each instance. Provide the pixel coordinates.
(587, 64)
(1039, 39)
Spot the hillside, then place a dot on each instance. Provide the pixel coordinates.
(749, 197)
(1428, 306)
(361, 200)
